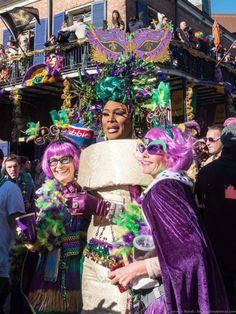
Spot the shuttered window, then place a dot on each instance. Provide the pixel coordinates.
(58, 20)
(98, 13)
(40, 39)
(6, 36)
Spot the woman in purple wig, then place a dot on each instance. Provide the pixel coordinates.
(189, 272)
(61, 224)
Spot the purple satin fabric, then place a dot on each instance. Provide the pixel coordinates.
(80, 202)
(190, 274)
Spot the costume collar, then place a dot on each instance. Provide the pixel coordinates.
(168, 174)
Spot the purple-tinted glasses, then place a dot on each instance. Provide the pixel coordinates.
(153, 148)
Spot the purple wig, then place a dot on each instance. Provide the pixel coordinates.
(59, 148)
(179, 148)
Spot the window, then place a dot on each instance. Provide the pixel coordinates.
(73, 14)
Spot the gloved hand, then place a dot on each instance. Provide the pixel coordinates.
(85, 203)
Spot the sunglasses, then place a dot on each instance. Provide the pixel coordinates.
(153, 147)
(212, 140)
(63, 160)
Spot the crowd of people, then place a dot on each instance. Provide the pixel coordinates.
(61, 249)
(77, 31)
(61, 212)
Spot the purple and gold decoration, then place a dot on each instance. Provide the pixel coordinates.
(146, 43)
(129, 80)
(27, 225)
(45, 73)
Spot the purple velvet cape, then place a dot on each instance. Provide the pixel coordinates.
(190, 274)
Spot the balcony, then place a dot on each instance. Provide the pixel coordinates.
(75, 55)
(184, 62)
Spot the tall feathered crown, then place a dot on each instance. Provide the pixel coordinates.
(130, 80)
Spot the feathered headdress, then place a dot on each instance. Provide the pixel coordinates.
(130, 80)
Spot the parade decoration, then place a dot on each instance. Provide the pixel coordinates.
(17, 19)
(52, 215)
(47, 73)
(129, 80)
(42, 135)
(208, 39)
(69, 105)
(132, 224)
(145, 43)
(190, 103)
(15, 96)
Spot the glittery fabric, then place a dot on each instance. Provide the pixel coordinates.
(99, 295)
(189, 271)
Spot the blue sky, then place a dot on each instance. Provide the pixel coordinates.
(223, 6)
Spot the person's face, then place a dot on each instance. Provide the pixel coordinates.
(38, 168)
(62, 168)
(12, 169)
(165, 21)
(115, 15)
(116, 123)
(53, 39)
(27, 166)
(213, 142)
(183, 25)
(153, 163)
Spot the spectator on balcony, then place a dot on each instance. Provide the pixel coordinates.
(65, 37)
(23, 43)
(163, 23)
(4, 72)
(117, 21)
(79, 27)
(3, 54)
(11, 48)
(51, 42)
(10, 71)
(134, 24)
(185, 34)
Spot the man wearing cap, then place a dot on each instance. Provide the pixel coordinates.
(216, 190)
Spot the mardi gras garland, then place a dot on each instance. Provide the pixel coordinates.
(52, 215)
(132, 224)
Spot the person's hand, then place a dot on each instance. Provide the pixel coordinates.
(30, 246)
(85, 203)
(21, 234)
(126, 275)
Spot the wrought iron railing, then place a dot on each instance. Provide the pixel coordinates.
(187, 61)
(76, 55)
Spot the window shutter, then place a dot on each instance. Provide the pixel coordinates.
(40, 39)
(142, 11)
(58, 20)
(6, 37)
(98, 13)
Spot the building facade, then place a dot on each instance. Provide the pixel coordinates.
(187, 71)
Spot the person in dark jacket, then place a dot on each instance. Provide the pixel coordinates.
(216, 192)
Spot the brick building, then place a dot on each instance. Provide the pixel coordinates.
(52, 14)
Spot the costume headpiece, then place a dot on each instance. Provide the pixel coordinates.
(60, 129)
(129, 76)
(129, 80)
(80, 135)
